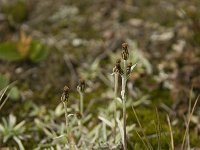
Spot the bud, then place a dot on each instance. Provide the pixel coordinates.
(65, 94)
(118, 61)
(117, 68)
(81, 86)
(78, 115)
(128, 69)
(125, 53)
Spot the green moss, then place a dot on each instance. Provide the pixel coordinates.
(149, 122)
(194, 140)
(161, 96)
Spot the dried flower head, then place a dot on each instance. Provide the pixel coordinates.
(125, 53)
(78, 115)
(65, 94)
(125, 45)
(117, 68)
(128, 69)
(81, 86)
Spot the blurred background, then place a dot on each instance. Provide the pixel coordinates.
(45, 45)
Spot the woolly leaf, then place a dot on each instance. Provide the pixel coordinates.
(106, 121)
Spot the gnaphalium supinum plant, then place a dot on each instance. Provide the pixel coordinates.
(101, 136)
(124, 74)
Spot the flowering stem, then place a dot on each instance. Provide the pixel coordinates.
(81, 102)
(66, 117)
(123, 94)
(116, 76)
(81, 111)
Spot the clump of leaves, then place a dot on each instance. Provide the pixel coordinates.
(24, 48)
(11, 130)
(88, 136)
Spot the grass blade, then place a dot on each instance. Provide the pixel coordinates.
(138, 121)
(171, 133)
(188, 123)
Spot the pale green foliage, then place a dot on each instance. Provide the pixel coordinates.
(10, 129)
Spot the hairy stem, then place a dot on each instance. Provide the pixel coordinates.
(81, 102)
(81, 111)
(116, 76)
(66, 117)
(123, 94)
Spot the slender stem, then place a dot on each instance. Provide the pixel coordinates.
(81, 111)
(171, 133)
(80, 126)
(123, 93)
(66, 117)
(115, 100)
(187, 118)
(104, 131)
(116, 83)
(81, 102)
(188, 122)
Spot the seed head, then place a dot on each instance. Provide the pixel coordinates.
(81, 86)
(128, 69)
(125, 53)
(65, 94)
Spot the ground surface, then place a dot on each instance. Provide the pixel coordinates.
(84, 38)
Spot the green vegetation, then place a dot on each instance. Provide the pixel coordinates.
(110, 103)
(35, 52)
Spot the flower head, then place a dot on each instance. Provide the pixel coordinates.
(128, 69)
(125, 53)
(81, 86)
(65, 94)
(117, 68)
